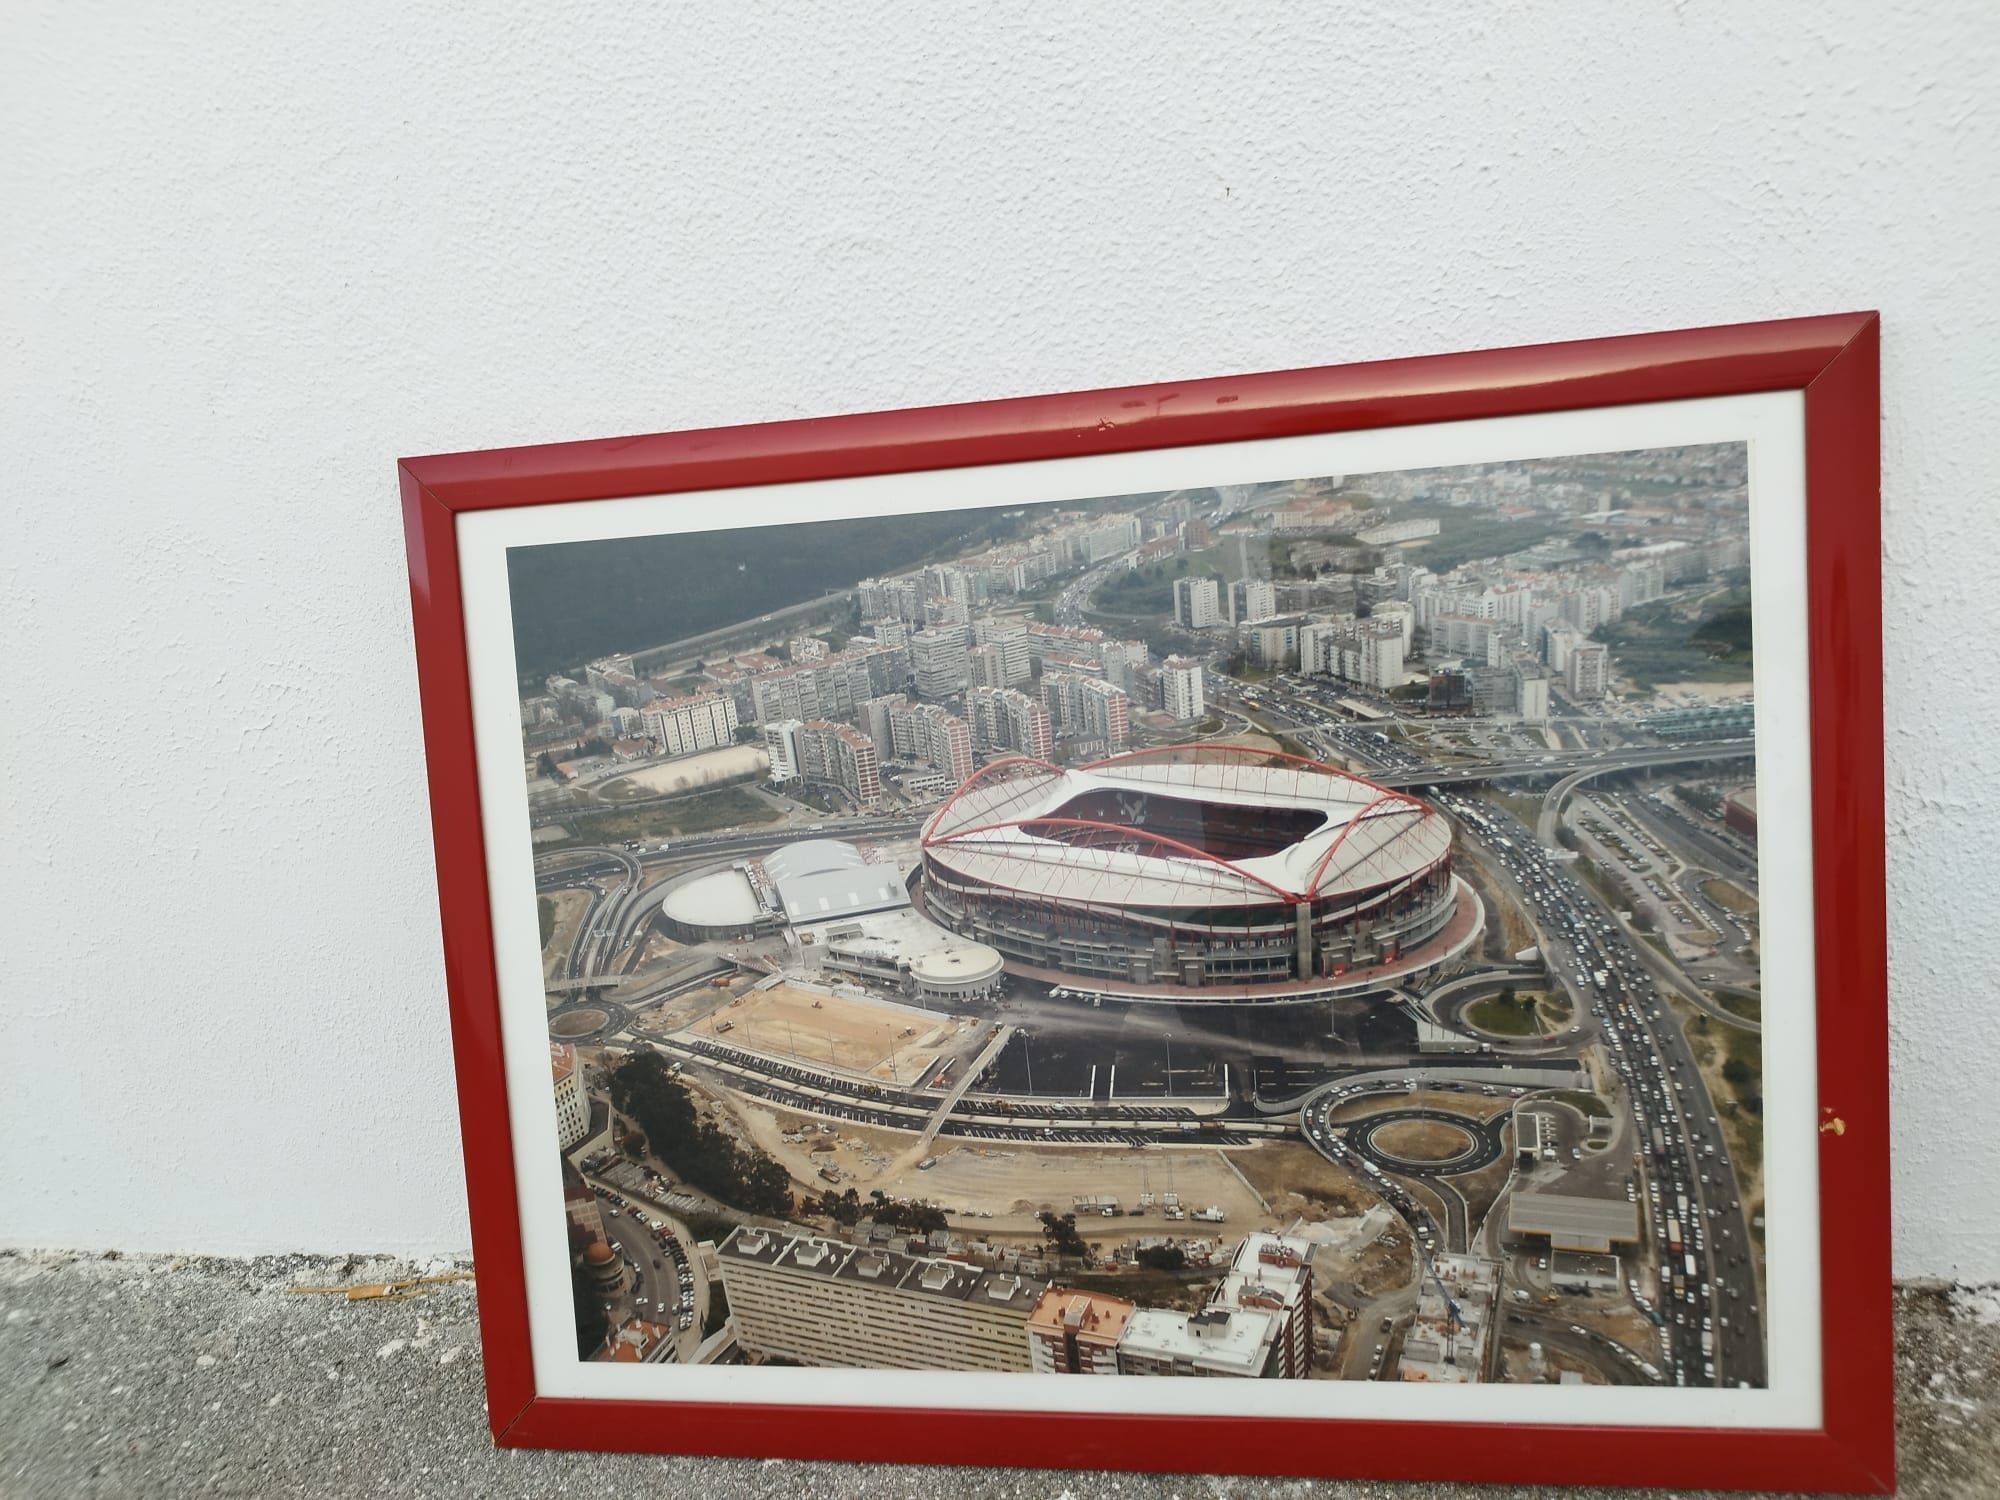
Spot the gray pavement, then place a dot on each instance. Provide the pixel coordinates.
(143, 1376)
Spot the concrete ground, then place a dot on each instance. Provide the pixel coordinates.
(145, 1376)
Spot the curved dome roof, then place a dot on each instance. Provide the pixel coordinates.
(812, 857)
(818, 880)
(1184, 826)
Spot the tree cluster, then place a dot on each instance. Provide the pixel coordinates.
(697, 1151)
(1060, 1235)
(898, 1213)
(1743, 1078)
(547, 761)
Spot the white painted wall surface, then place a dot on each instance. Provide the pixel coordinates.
(252, 257)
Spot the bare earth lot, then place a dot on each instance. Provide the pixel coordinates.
(1015, 1182)
(569, 908)
(1300, 1183)
(687, 773)
(896, 1043)
(1423, 1140)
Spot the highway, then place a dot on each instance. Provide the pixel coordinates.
(1706, 1287)
(1690, 1182)
(691, 646)
(1623, 760)
(1581, 939)
(605, 940)
(1573, 767)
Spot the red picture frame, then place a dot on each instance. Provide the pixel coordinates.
(1833, 361)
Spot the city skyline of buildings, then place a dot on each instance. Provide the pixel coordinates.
(1325, 619)
(822, 1300)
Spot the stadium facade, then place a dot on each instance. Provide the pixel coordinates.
(1190, 866)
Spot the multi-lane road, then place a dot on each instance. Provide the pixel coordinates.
(1709, 1284)
(1706, 1291)
(620, 905)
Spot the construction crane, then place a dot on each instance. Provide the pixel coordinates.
(1455, 1319)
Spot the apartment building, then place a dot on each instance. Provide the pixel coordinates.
(826, 1302)
(1077, 1333)
(1182, 692)
(683, 726)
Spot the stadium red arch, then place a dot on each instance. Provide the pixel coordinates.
(1147, 752)
(932, 838)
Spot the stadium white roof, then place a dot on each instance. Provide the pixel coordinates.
(1368, 838)
(818, 880)
(721, 898)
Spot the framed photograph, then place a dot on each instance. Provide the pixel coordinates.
(1347, 903)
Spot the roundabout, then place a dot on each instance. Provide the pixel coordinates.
(587, 1020)
(1428, 1142)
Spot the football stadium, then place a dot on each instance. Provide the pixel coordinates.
(1189, 866)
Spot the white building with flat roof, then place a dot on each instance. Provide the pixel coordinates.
(938, 658)
(826, 1302)
(1181, 689)
(1257, 1324)
(683, 726)
(572, 1104)
(1251, 600)
(782, 745)
(1197, 603)
(1273, 1273)
(1589, 672)
(1217, 1341)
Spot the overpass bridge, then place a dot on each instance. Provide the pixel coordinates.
(1573, 766)
(1545, 826)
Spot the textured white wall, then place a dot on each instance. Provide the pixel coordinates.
(252, 260)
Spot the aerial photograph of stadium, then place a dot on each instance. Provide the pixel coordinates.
(1297, 930)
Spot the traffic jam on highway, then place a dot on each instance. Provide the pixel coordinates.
(1705, 1304)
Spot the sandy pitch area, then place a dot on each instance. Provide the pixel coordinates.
(690, 771)
(877, 1038)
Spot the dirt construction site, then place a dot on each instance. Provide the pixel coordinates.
(864, 1037)
(1000, 1187)
(1016, 1182)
